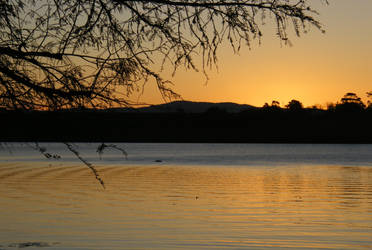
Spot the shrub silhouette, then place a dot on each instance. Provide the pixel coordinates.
(294, 105)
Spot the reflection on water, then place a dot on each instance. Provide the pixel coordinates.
(186, 207)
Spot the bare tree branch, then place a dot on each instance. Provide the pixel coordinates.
(95, 53)
(88, 164)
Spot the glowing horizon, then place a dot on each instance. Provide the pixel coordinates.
(317, 69)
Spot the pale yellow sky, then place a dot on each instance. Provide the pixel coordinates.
(317, 69)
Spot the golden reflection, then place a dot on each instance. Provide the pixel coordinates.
(192, 206)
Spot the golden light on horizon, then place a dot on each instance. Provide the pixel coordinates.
(317, 69)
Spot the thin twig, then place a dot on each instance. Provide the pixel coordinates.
(88, 164)
(103, 146)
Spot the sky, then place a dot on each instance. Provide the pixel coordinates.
(318, 69)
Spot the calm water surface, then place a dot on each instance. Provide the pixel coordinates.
(200, 196)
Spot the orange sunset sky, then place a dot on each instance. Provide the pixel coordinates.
(317, 69)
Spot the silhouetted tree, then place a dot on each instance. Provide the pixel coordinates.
(274, 108)
(294, 105)
(351, 98)
(369, 95)
(275, 104)
(350, 103)
(95, 53)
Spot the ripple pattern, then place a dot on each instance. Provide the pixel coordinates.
(186, 207)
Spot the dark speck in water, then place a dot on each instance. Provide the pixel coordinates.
(31, 244)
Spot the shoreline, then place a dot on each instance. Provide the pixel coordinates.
(251, 127)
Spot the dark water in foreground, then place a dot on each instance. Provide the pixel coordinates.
(200, 196)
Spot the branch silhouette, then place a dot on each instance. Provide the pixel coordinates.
(88, 164)
(96, 53)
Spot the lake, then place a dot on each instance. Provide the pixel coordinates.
(187, 196)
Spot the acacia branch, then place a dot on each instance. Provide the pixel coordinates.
(22, 79)
(22, 54)
(63, 54)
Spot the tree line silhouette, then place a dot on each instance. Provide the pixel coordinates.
(349, 103)
(347, 121)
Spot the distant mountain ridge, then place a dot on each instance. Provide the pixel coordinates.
(189, 107)
(184, 121)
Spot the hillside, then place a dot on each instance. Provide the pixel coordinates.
(190, 122)
(189, 107)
